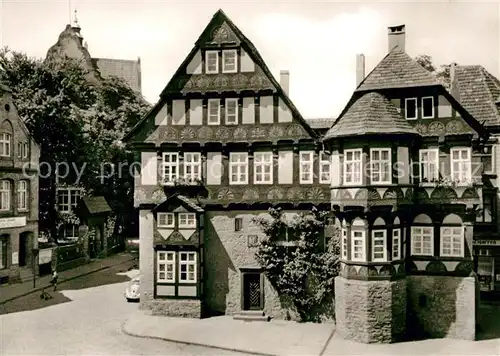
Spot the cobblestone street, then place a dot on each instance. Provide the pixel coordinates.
(85, 318)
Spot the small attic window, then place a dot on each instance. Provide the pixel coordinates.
(7, 107)
(428, 107)
(411, 108)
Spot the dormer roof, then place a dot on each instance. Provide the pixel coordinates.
(370, 114)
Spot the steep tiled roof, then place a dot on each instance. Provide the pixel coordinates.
(128, 70)
(190, 203)
(477, 90)
(96, 205)
(372, 113)
(321, 123)
(397, 70)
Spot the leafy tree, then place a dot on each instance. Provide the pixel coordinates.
(303, 270)
(76, 123)
(442, 74)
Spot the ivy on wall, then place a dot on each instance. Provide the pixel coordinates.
(298, 262)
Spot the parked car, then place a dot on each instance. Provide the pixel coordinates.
(132, 293)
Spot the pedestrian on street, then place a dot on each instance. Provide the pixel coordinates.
(53, 281)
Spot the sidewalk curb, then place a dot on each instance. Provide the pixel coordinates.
(38, 289)
(124, 330)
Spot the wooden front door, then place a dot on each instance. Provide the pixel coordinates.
(252, 291)
(23, 246)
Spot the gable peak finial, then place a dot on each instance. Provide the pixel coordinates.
(75, 20)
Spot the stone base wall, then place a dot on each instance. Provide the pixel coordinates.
(174, 307)
(370, 311)
(442, 306)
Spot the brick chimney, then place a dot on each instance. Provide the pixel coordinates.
(397, 37)
(285, 81)
(360, 69)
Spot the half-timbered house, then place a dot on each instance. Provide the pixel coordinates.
(407, 187)
(223, 144)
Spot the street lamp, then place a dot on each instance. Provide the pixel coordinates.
(34, 252)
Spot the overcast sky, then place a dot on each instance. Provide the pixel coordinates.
(316, 41)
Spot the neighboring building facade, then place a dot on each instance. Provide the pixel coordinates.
(479, 92)
(223, 144)
(19, 155)
(407, 185)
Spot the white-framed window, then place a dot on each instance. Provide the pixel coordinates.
(396, 244)
(165, 220)
(229, 61)
(427, 107)
(429, 165)
(192, 165)
(211, 62)
(422, 240)
(324, 168)
(213, 111)
(165, 266)
(344, 243)
(187, 220)
(358, 252)
(22, 195)
(67, 199)
(5, 144)
(263, 168)
(352, 167)
(379, 245)
(452, 241)
(5, 195)
(306, 159)
(25, 150)
(238, 168)
(170, 167)
(231, 111)
(187, 267)
(380, 163)
(461, 164)
(19, 150)
(411, 108)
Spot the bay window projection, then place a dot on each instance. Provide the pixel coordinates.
(263, 167)
(231, 111)
(166, 220)
(170, 167)
(461, 164)
(187, 267)
(358, 245)
(238, 168)
(211, 62)
(324, 168)
(192, 165)
(352, 167)
(379, 245)
(306, 160)
(380, 164)
(429, 165)
(165, 268)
